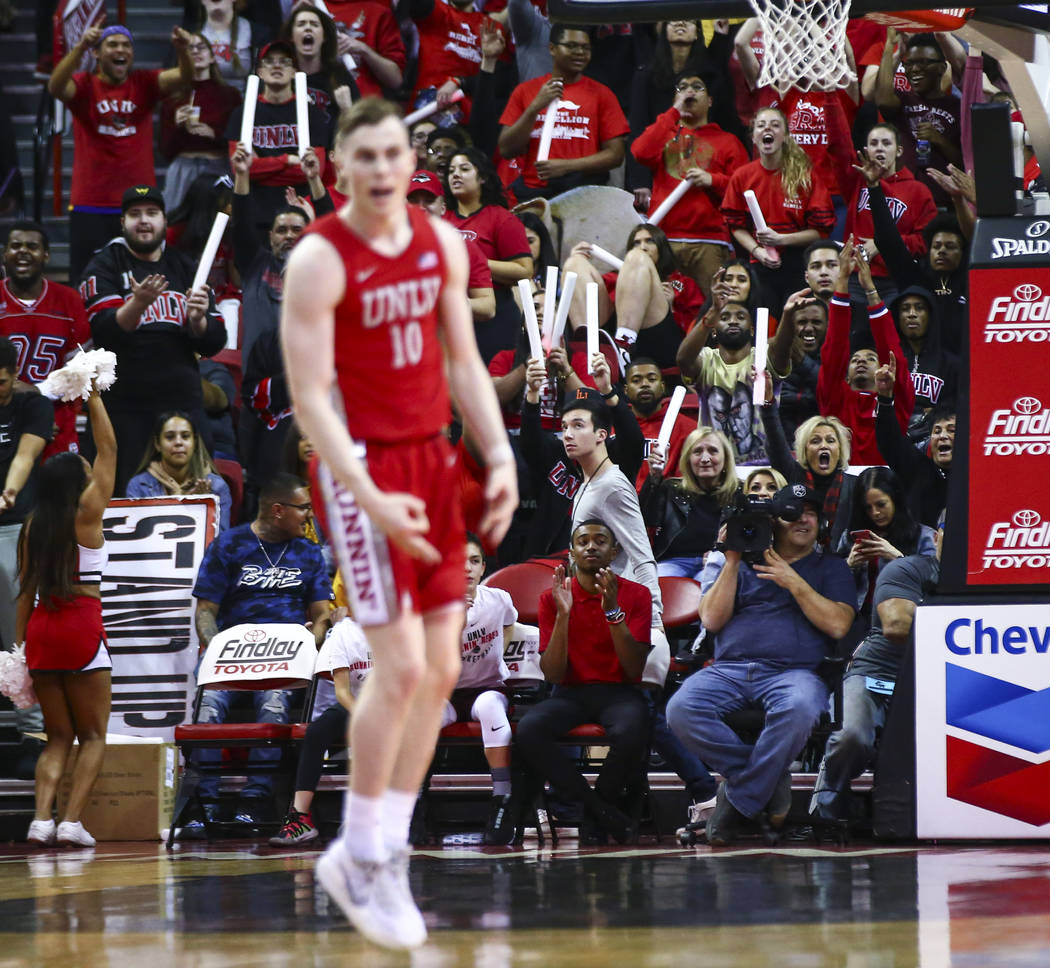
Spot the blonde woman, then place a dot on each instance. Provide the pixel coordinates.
(822, 447)
(683, 513)
(763, 483)
(794, 201)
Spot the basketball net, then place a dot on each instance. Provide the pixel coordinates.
(805, 44)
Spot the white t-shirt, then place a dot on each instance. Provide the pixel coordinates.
(482, 643)
(345, 647)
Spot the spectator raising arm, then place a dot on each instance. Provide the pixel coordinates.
(179, 78)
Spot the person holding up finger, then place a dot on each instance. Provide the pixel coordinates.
(846, 382)
(774, 623)
(112, 109)
(140, 306)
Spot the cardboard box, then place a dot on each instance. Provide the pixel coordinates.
(134, 794)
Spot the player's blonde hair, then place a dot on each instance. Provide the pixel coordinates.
(366, 112)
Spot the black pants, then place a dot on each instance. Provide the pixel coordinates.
(88, 232)
(622, 711)
(328, 730)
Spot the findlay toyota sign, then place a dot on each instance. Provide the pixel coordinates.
(1008, 511)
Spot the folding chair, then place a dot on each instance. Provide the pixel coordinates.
(249, 658)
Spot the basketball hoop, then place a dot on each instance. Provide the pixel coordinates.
(921, 21)
(805, 44)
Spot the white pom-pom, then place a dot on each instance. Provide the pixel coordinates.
(73, 381)
(15, 682)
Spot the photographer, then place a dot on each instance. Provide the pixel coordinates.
(774, 623)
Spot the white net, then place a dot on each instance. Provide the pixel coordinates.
(805, 44)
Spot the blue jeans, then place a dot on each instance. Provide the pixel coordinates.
(699, 783)
(793, 700)
(271, 706)
(851, 749)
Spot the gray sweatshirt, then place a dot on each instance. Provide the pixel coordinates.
(613, 499)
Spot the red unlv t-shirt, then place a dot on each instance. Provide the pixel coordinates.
(112, 137)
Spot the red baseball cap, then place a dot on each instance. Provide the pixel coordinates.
(426, 181)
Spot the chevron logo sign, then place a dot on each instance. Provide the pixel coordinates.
(1008, 714)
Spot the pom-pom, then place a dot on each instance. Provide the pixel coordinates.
(15, 681)
(73, 381)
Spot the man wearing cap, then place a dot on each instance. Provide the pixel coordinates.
(773, 625)
(140, 306)
(275, 161)
(112, 112)
(425, 190)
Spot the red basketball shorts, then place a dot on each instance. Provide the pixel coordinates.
(381, 579)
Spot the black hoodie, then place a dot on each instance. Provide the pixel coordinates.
(934, 370)
(951, 292)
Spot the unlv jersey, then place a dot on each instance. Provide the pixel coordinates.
(46, 332)
(388, 358)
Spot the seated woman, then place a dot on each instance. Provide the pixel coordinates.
(763, 482)
(177, 462)
(654, 303)
(684, 512)
(881, 530)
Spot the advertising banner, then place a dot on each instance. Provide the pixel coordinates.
(72, 18)
(982, 723)
(1008, 506)
(155, 548)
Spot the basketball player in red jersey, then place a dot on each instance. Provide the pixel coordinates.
(375, 307)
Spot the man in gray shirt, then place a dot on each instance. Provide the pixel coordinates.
(606, 493)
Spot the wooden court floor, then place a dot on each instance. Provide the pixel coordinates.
(236, 903)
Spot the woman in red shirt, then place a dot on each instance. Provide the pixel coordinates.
(794, 201)
(477, 207)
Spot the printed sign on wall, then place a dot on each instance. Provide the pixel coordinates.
(983, 721)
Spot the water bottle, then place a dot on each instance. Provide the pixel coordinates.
(922, 153)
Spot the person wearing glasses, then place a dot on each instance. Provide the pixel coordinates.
(275, 161)
(193, 125)
(263, 572)
(683, 144)
(929, 117)
(589, 133)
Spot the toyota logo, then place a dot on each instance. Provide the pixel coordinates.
(255, 635)
(1037, 229)
(1028, 293)
(1026, 519)
(1027, 405)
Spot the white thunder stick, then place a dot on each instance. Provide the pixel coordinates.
(547, 133)
(528, 307)
(302, 113)
(431, 108)
(672, 200)
(251, 96)
(592, 323)
(218, 227)
(550, 308)
(607, 257)
(664, 437)
(756, 211)
(758, 396)
(568, 287)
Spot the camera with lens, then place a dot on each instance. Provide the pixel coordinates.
(749, 521)
(749, 527)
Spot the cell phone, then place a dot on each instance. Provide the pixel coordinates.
(864, 535)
